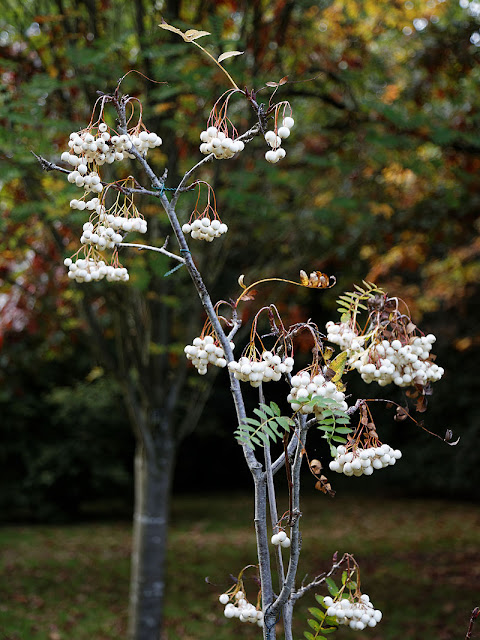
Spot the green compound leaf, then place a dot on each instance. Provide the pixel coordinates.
(332, 587)
(314, 624)
(309, 636)
(319, 599)
(271, 426)
(261, 414)
(315, 611)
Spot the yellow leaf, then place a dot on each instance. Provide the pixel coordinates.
(338, 365)
(96, 372)
(303, 278)
(229, 54)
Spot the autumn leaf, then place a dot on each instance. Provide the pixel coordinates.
(240, 281)
(229, 54)
(250, 296)
(316, 280)
(168, 27)
(193, 34)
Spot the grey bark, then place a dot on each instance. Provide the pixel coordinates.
(153, 479)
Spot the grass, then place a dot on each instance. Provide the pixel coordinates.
(420, 564)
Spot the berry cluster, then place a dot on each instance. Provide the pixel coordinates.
(356, 614)
(281, 539)
(363, 461)
(274, 139)
(269, 368)
(344, 336)
(241, 609)
(306, 386)
(218, 143)
(90, 269)
(404, 365)
(99, 236)
(89, 181)
(103, 148)
(205, 229)
(205, 351)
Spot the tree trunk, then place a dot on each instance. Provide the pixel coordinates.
(153, 479)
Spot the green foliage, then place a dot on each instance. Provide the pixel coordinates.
(270, 426)
(350, 302)
(322, 624)
(332, 420)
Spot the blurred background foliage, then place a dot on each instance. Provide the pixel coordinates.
(379, 183)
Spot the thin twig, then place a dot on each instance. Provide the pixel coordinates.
(140, 247)
(473, 617)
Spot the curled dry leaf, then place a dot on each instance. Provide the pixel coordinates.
(193, 34)
(169, 27)
(188, 36)
(324, 486)
(250, 295)
(401, 414)
(283, 80)
(449, 436)
(271, 84)
(316, 280)
(240, 281)
(316, 466)
(228, 54)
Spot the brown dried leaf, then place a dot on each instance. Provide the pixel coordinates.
(324, 487)
(421, 405)
(316, 466)
(271, 84)
(283, 80)
(193, 34)
(250, 295)
(400, 414)
(229, 54)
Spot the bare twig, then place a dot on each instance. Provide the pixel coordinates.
(473, 617)
(319, 579)
(141, 247)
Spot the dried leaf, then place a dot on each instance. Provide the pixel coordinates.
(449, 436)
(316, 280)
(168, 27)
(193, 34)
(250, 295)
(303, 278)
(240, 281)
(271, 84)
(421, 405)
(316, 466)
(229, 54)
(324, 487)
(400, 414)
(283, 80)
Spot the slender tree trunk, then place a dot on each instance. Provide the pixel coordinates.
(153, 479)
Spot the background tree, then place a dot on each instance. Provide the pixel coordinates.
(366, 63)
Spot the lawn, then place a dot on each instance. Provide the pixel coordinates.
(420, 564)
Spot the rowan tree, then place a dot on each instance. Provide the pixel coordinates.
(375, 336)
